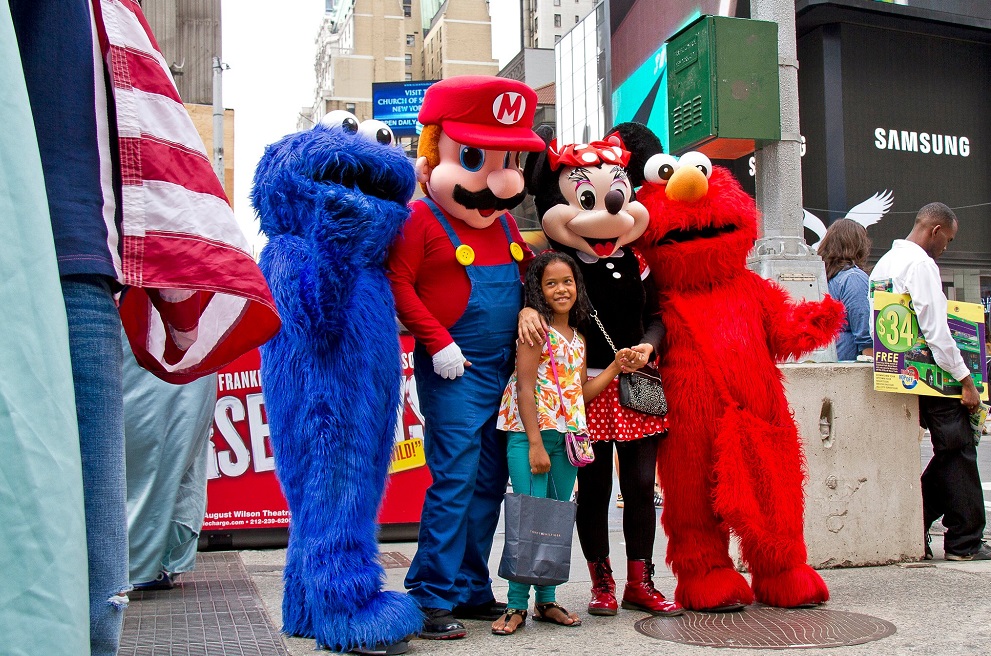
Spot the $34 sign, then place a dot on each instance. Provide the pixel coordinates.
(897, 328)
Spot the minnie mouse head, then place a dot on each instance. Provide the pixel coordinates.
(584, 193)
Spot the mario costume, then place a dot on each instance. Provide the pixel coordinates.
(456, 275)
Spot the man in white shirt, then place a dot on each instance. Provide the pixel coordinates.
(951, 484)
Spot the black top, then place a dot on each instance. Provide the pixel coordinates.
(626, 305)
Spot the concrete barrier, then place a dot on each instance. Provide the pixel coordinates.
(863, 496)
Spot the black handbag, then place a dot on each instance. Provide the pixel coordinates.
(639, 390)
(539, 532)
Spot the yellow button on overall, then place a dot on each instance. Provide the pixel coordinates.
(516, 251)
(465, 254)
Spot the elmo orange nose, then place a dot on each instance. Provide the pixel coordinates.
(688, 184)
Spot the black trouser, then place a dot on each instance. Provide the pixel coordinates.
(637, 464)
(951, 483)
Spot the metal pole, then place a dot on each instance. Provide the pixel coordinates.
(781, 254)
(779, 165)
(218, 119)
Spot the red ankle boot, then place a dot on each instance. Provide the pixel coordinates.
(640, 593)
(603, 588)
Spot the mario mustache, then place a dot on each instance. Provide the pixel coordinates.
(485, 199)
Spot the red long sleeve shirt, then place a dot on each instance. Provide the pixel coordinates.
(430, 286)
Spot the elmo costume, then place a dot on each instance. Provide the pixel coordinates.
(732, 459)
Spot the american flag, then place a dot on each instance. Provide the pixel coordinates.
(195, 298)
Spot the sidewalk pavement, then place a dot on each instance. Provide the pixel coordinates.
(938, 607)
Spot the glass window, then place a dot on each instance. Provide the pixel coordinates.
(349, 107)
(577, 18)
(409, 59)
(409, 77)
(557, 37)
(557, 3)
(557, 20)
(411, 38)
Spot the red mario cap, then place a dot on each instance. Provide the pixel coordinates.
(483, 111)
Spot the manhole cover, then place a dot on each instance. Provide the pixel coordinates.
(394, 560)
(765, 627)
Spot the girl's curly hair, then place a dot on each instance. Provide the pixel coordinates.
(533, 287)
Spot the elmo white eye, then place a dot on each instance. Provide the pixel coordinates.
(698, 160)
(377, 131)
(340, 119)
(659, 168)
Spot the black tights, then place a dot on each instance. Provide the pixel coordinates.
(637, 464)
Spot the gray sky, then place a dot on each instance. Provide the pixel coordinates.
(270, 47)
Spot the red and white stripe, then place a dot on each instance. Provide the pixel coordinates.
(196, 299)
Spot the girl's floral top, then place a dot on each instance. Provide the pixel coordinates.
(551, 414)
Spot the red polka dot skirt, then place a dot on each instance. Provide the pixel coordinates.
(608, 420)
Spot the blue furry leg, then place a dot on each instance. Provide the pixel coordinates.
(296, 619)
(386, 618)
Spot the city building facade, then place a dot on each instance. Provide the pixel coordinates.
(366, 41)
(188, 33)
(545, 22)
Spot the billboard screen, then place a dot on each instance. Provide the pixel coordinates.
(907, 115)
(397, 103)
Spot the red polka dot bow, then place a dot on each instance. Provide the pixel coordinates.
(610, 150)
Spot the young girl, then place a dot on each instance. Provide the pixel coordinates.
(537, 415)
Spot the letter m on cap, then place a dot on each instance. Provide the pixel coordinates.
(509, 107)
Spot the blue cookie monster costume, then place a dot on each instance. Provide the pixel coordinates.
(331, 200)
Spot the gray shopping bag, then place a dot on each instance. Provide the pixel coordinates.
(538, 540)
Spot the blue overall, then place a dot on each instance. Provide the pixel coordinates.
(465, 453)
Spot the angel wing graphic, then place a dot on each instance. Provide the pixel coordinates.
(866, 214)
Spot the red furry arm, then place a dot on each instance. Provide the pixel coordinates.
(794, 329)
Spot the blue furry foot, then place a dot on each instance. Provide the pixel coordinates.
(399, 647)
(296, 619)
(386, 619)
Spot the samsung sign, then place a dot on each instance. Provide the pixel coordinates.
(921, 142)
(397, 103)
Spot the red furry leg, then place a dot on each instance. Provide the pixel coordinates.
(795, 587)
(759, 467)
(698, 544)
(720, 588)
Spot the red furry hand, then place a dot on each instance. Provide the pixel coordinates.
(811, 325)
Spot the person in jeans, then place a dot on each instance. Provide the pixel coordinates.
(844, 251)
(951, 483)
(130, 197)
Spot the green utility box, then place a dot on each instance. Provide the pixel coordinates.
(723, 96)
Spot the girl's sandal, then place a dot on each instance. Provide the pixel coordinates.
(540, 614)
(507, 628)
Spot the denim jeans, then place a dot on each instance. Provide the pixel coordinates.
(95, 350)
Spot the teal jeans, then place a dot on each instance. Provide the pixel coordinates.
(564, 475)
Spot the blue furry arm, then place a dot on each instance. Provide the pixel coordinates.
(794, 329)
(338, 250)
(285, 262)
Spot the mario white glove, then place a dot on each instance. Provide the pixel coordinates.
(449, 363)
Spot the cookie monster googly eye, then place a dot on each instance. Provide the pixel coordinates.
(377, 131)
(340, 119)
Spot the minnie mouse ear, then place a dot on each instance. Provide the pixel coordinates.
(642, 144)
(536, 162)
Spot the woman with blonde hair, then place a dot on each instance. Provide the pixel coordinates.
(844, 251)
